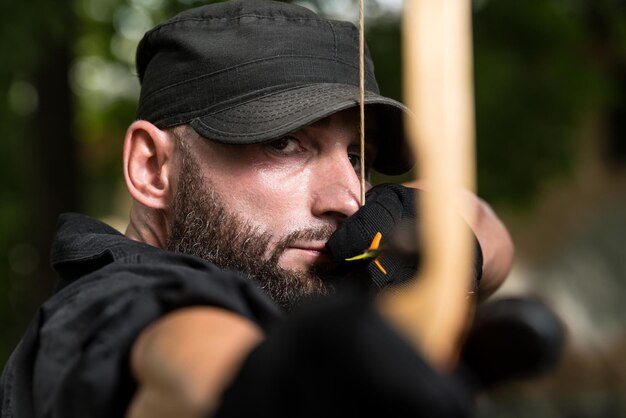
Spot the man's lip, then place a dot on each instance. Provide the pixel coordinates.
(310, 246)
(315, 252)
(315, 249)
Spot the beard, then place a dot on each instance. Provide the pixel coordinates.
(202, 226)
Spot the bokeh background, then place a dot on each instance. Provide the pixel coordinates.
(550, 83)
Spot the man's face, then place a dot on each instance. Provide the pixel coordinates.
(273, 205)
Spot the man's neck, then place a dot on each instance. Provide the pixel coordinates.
(149, 228)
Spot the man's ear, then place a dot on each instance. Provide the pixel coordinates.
(148, 164)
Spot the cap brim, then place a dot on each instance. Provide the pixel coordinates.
(273, 115)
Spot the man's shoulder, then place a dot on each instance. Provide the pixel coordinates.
(86, 250)
(76, 348)
(97, 265)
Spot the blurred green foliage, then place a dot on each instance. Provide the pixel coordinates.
(537, 81)
(542, 68)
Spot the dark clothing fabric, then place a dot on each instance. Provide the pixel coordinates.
(73, 360)
(339, 358)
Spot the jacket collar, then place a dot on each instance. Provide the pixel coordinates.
(83, 244)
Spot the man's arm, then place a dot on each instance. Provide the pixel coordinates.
(494, 238)
(495, 242)
(184, 361)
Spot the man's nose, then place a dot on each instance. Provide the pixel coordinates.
(336, 189)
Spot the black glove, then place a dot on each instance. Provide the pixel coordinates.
(511, 338)
(390, 210)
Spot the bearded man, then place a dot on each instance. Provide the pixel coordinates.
(243, 167)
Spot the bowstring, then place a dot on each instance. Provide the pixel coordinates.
(362, 98)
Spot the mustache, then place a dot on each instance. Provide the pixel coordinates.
(322, 233)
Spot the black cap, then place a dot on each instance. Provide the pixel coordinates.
(250, 71)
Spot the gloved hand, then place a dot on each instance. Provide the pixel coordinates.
(390, 210)
(511, 338)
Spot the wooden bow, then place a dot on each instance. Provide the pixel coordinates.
(433, 310)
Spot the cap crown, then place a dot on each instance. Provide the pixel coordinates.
(220, 55)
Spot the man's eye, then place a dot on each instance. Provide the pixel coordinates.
(285, 145)
(355, 159)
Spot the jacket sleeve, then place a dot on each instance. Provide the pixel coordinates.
(337, 358)
(80, 355)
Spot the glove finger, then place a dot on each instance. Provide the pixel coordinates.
(384, 209)
(392, 269)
